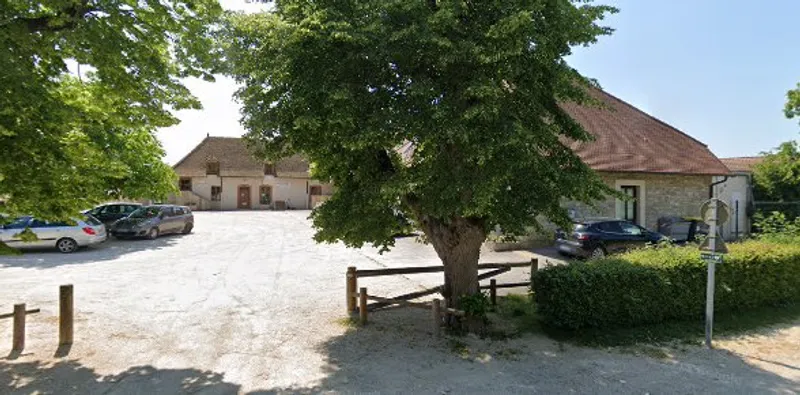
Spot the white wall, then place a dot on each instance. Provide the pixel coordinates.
(293, 191)
(736, 188)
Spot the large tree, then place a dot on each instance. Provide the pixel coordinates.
(777, 177)
(72, 138)
(444, 110)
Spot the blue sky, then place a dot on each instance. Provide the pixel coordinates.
(715, 69)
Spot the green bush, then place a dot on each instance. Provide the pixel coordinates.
(656, 285)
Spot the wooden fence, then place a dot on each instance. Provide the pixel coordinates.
(65, 320)
(358, 299)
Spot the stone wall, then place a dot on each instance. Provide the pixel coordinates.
(664, 195)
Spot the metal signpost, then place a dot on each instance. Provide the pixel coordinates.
(714, 213)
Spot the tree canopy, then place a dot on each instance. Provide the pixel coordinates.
(72, 138)
(445, 111)
(777, 177)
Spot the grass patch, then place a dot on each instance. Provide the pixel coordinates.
(519, 313)
(685, 332)
(513, 315)
(459, 348)
(348, 322)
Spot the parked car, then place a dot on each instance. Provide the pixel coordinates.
(600, 237)
(112, 212)
(65, 236)
(153, 221)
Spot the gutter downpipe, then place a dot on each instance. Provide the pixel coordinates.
(713, 184)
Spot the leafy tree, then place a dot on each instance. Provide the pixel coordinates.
(446, 111)
(777, 177)
(792, 108)
(71, 139)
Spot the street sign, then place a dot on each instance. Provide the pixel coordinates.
(714, 213)
(723, 212)
(712, 257)
(719, 245)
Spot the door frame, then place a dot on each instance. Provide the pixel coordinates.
(641, 200)
(239, 205)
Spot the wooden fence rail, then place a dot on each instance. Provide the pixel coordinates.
(18, 329)
(357, 300)
(66, 317)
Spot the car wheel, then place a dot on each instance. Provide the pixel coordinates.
(187, 229)
(152, 234)
(66, 245)
(598, 252)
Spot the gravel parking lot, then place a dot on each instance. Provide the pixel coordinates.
(248, 303)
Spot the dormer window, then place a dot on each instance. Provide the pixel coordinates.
(212, 168)
(269, 169)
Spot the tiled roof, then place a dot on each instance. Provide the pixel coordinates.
(629, 140)
(743, 164)
(234, 158)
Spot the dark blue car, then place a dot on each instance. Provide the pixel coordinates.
(600, 237)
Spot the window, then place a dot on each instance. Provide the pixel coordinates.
(112, 209)
(130, 208)
(185, 184)
(269, 169)
(266, 195)
(630, 208)
(19, 223)
(179, 211)
(316, 190)
(609, 227)
(216, 193)
(631, 229)
(212, 168)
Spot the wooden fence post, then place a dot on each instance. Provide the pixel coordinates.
(436, 312)
(351, 290)
(493, 291)
(19, 327)
(66, 316)
(534, 269)
(362, 306)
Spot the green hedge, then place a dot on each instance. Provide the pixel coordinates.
(656, 285)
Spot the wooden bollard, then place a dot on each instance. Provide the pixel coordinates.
(66, 316)
(534, 269)
(19, 327)
(493, 291)
(436, 312)
(351, 290)
(362, 306)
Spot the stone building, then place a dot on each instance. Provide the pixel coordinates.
(221, 174)
(665, 171)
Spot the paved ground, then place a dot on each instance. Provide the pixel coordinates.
(249, 304)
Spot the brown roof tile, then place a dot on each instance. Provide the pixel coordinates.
(234, 158)
(743, 164)
(629, 140)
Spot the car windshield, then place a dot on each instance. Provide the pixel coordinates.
(146, 212)
(91, 220)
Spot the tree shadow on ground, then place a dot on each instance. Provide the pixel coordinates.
(396, 353)
(70, 377)
(107, 251)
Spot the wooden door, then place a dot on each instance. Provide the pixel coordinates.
(244, 197)
(315, 190)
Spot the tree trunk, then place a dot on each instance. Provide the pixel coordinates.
(458, 244)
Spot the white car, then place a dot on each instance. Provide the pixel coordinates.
(64, 236)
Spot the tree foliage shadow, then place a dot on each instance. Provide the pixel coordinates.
(395, 353)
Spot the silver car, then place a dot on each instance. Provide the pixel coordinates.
(153, 221)
(66, 237)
